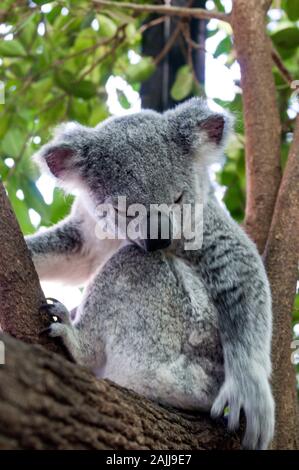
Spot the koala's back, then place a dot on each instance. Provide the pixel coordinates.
(158, 327)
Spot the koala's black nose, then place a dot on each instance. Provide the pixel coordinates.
(159, 231)
(153, 245)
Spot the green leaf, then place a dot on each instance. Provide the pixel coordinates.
(54, 114)
(82, 89)
(292, 9)
(63, 79)
(123, 100)
(107, 27)
(41, 2)
(87, 20)
(235, 201)
(141, 71)
(130, 31)
(40, 89)
(4, 124)
(98, 114)
(53, 14)
(79, 111)
(60, 206)
(85, 39)
(219, 5)
(296, 309)
(34, 199)
(285, 149)
(12, 49)
(183, 84)
(28, 30)
(13, 142)
(287, 38)
(4, 170)
(224, 47)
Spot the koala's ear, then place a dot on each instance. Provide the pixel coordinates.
(57, 159)
(63, 154)
(199, 130)
(214, 127)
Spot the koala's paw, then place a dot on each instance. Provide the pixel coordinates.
(60, 325)
(56, 311)
(253, 395)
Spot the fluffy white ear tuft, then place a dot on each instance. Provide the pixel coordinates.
(63, 154)
(199, 130)
(214, 127)
(57, 159)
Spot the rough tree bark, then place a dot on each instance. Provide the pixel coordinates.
(261, 116)
(281, 259)
(16, 270)
(263, 171)
(47, 402)
(20, 291)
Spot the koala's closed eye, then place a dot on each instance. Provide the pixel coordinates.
(179, 198)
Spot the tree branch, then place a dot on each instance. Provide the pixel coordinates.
(261, 116)
(49, 403)
(199, 13)
(286, 75)
(20, 292)
(266, 4)
(168, 44)
(281, 259)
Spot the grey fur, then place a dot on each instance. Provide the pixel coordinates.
(191, 329)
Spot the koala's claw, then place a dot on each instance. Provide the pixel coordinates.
(60, 325)
(45, 331)
(56, 311)
(254, 396)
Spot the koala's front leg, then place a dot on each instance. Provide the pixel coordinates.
(245, 328)
(235, 277)
(56, 251)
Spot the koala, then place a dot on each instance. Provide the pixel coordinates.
(187, 327)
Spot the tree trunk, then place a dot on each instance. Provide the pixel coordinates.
(281, 259)
(20, 292)
(261, 116)
(47, 402)
(279, 231)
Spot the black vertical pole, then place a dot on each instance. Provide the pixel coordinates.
(155, 92)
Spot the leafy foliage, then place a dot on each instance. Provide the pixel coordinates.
(56, 59)
(182, 87)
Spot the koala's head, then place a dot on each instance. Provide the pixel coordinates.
(147, 157)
